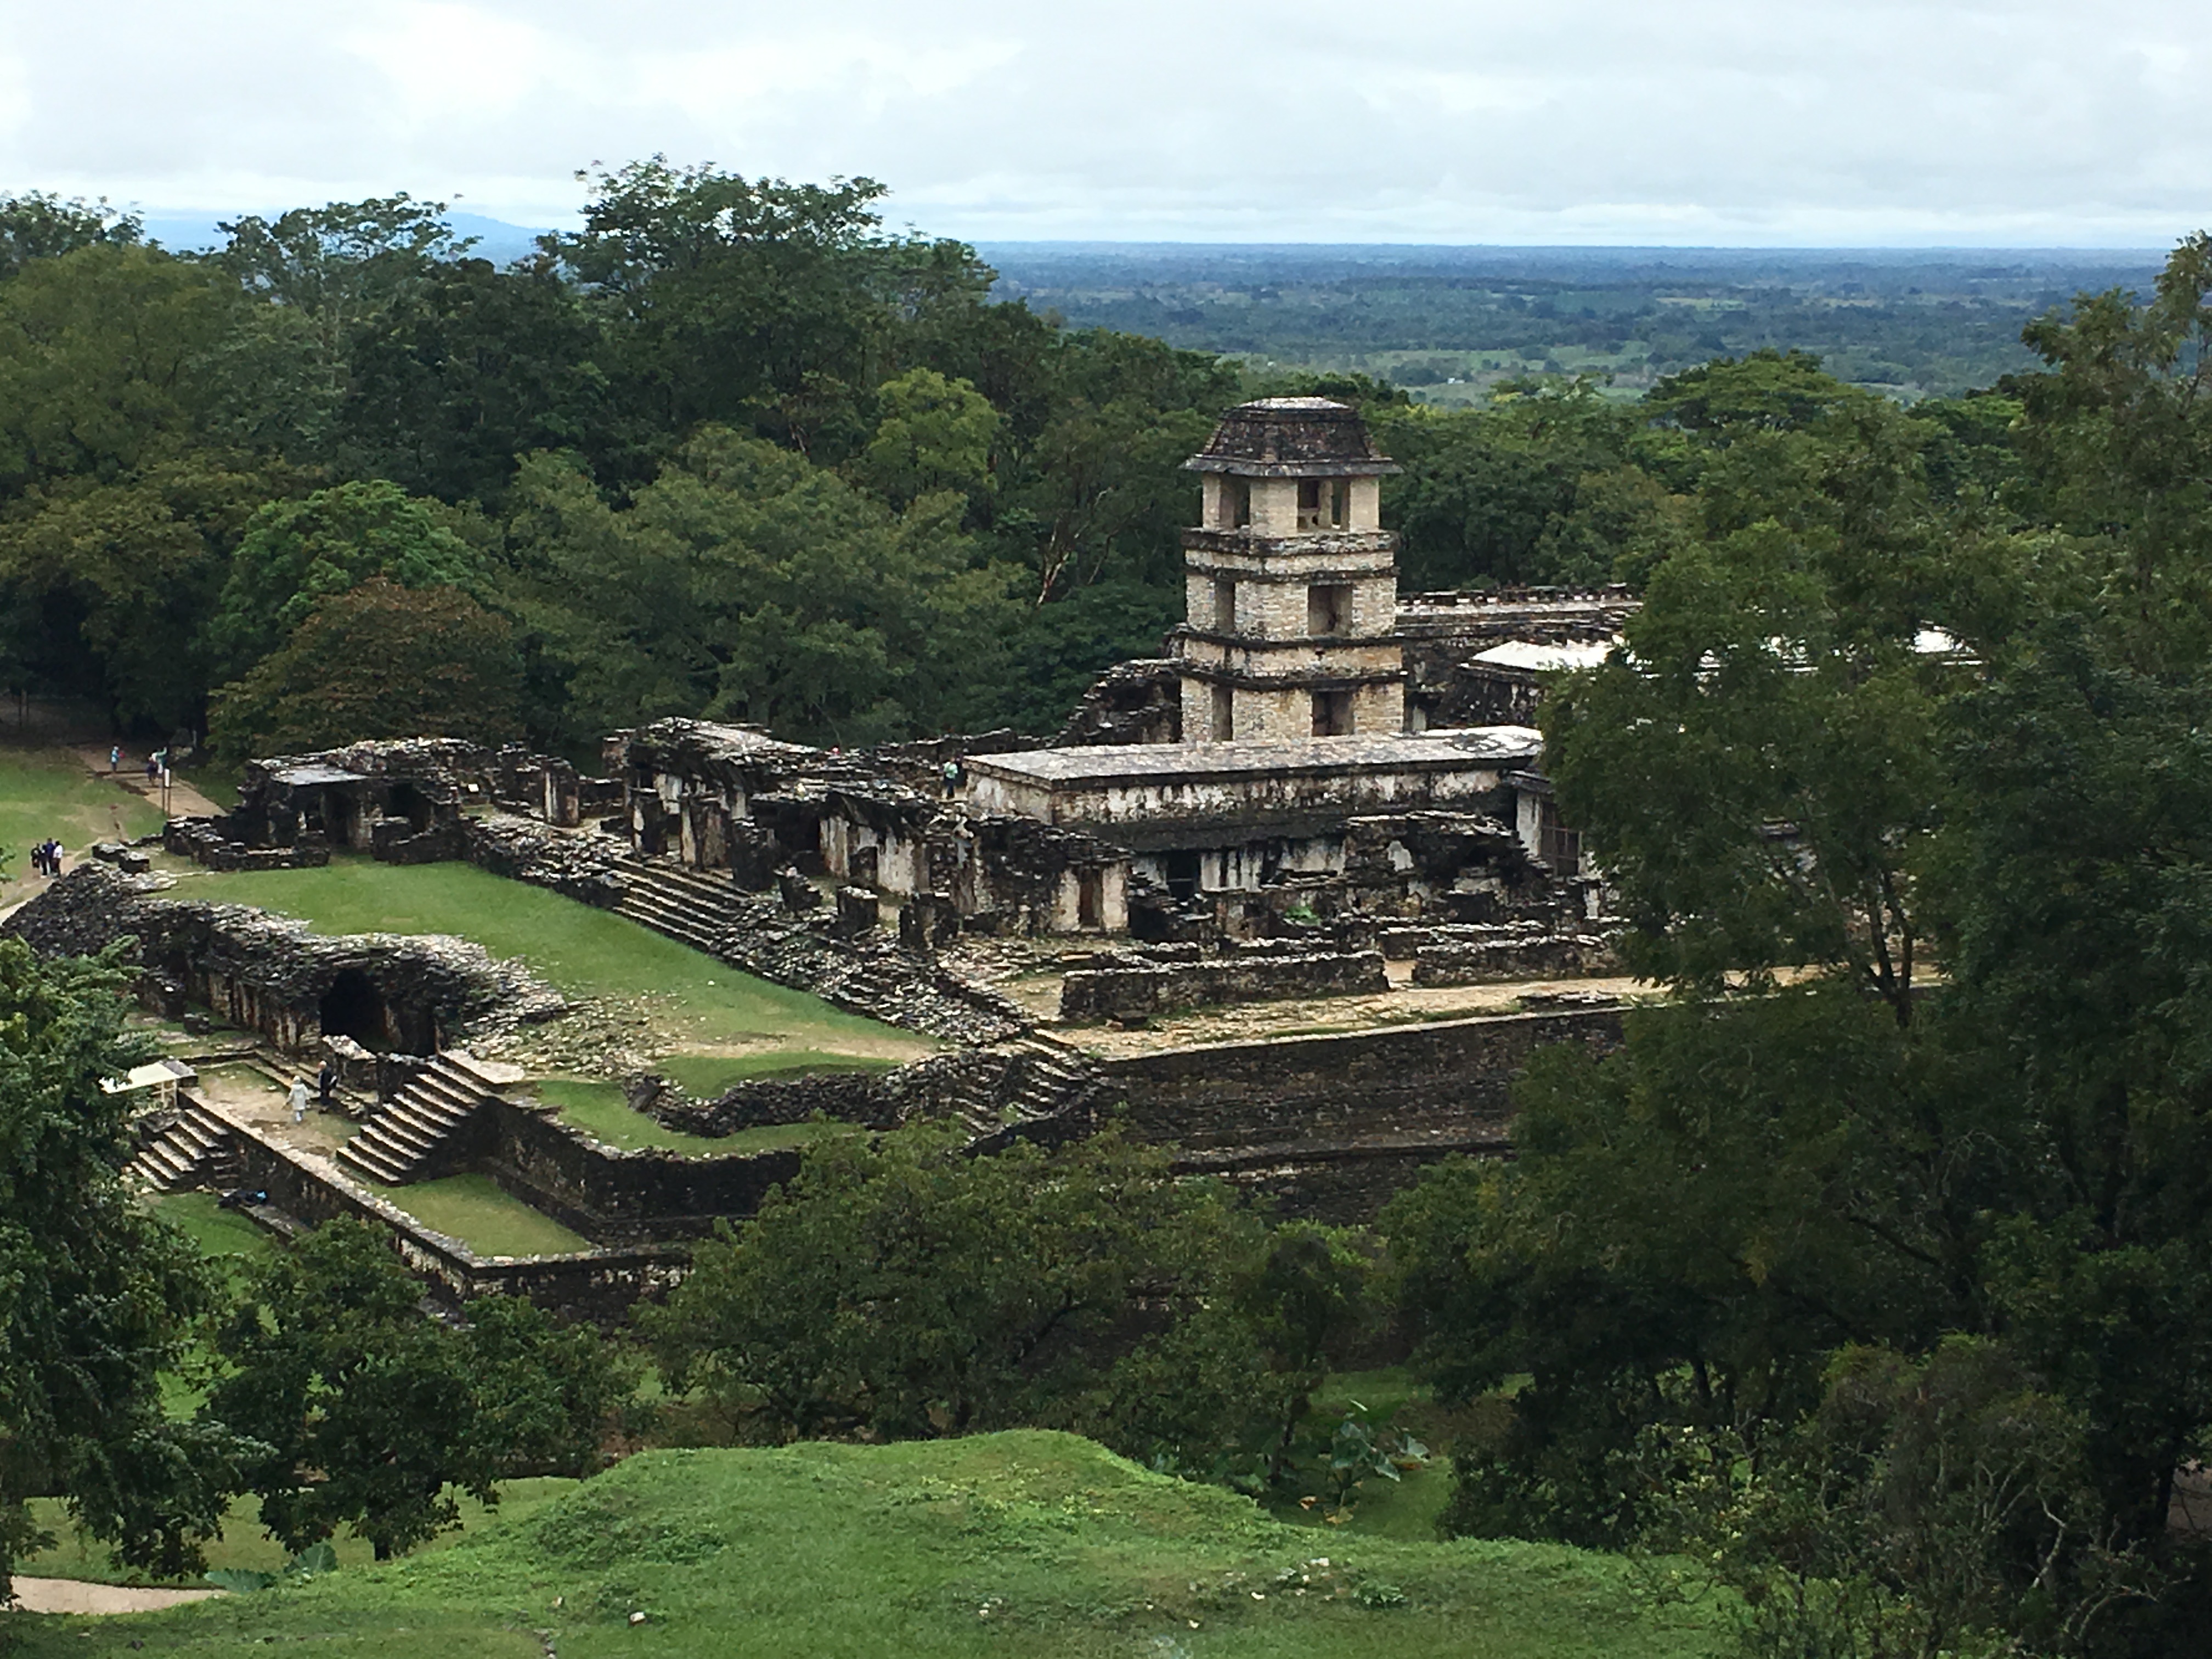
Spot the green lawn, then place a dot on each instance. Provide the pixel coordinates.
(475, 1210)
(1017, 1545)
(243, 1544)
(1406, 1508)
(600, 1110)
(223, 1235)
(699, 1002)
(47, 793)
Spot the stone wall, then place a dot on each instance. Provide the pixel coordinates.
(601, 1285)
(1334, 1123)
(1479, 955)
(1142, 988)
(612, 1196)
(847, 1096)
(216, 843)
(415, 994)
(1139, 701)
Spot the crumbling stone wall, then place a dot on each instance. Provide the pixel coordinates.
(274, 975)
(1480, 955)
(1147, 988)
(600, 1285)
(1442, 630)
(613, 1196)
(1139, 701)
(1295, 1113)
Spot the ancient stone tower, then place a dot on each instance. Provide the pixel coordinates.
(1292, 581)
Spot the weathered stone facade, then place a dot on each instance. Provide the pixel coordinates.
(412, 993)
(1129, 986)
(1332, 1125)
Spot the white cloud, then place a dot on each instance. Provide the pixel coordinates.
(1446, 120)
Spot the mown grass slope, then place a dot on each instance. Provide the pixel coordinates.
(48, 792)
(1023, 1544)
(589, 951)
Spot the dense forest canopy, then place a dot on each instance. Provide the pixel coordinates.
(732, 448)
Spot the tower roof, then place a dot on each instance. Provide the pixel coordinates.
(1291, 438)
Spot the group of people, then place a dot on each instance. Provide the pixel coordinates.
(46, 858)
(327, 1080)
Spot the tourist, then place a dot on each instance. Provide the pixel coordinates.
(955, 775)
(115, 757)
(299, 1100)
(325, 1081)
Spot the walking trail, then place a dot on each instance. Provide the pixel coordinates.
(82, 1595)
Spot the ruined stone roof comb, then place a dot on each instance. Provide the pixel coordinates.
(1291, 438)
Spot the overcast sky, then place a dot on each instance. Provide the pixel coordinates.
(1730, 122)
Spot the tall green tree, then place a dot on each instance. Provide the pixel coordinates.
(379, 660)
(758, 304)
(296, 554)
(40, 225)
(104, 356)
(96, 1294)
(371, 1415)
(468, 368)
(901, 1287)
(745, 583)
(317, 279)
(119, 581)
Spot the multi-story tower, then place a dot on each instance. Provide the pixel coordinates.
(1292, 582)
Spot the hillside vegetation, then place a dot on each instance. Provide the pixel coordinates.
(1025, 1543)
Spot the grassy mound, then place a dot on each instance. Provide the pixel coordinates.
(1021, 1543)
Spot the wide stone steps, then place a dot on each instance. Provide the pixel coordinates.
(1035, 1082)
(693, 909)
(753, 933)
(404, 1140)
(198, 1150)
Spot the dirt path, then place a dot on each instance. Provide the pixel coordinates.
(82, 1595)
(185, 801)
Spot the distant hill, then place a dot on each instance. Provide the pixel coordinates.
(1449, 322)
(496, 240)
(1028, 1543)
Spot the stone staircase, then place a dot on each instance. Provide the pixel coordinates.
(197, 1150)
(409, 1137)
(1017, 1090)
(686, 905)
(868, 976)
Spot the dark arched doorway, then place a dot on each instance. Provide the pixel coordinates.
(352, 1007)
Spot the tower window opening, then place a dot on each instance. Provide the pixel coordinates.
(1332, 713)
(1225, 607)
(1237, 501)
(1224, 713)
(1339, 503)
(1310, 503)
(1328, 608)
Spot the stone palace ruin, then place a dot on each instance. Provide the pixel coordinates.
(1322, 797)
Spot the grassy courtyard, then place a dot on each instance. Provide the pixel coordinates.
(600, 1110)
(701, 1023)
(474, 1209)
(1030, 1543)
